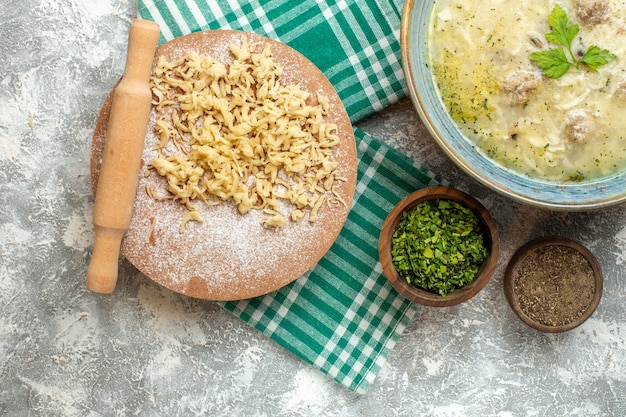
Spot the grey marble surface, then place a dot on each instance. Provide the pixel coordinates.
(145, 351)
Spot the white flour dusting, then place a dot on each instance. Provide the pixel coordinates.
(60, 400)
(171, 319)
(248, 364)
(620, 238)
(309, 395)
(14, 236)
(78, 234)
(7, 330)
(9, 145)
(75, 337)
(433, 366)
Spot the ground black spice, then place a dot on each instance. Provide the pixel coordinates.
(554, 285)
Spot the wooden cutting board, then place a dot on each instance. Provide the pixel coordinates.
(230, 256)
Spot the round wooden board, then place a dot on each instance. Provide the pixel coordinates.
(230, 256)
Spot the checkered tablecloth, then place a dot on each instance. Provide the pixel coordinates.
(342, 317)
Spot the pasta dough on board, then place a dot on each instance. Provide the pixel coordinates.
(236, 132)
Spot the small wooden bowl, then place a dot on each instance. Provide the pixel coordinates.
(518, 260)
(421, 296)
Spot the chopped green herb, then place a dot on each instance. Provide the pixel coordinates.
(577, 177)
(438, 246)
(554, 62)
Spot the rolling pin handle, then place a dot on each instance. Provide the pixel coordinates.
(103, 269)
(142, 35)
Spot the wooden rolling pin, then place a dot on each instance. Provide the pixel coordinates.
(121, 158)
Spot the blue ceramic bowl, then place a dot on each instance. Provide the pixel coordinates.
(580, 196)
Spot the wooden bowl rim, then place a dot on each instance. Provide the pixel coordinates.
(542, 242)
(418, 295)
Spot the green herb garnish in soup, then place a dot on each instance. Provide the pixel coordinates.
(555, 62)
(539, 86)
(438, 245)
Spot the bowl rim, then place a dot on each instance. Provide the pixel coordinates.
(520, 255)
(592, 195)
(421, 296)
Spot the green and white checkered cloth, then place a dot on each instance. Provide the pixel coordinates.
(354, 42)
(342, 317)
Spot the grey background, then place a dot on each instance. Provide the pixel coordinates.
(145, 351)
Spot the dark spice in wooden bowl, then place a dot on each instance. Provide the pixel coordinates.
(553, 284)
